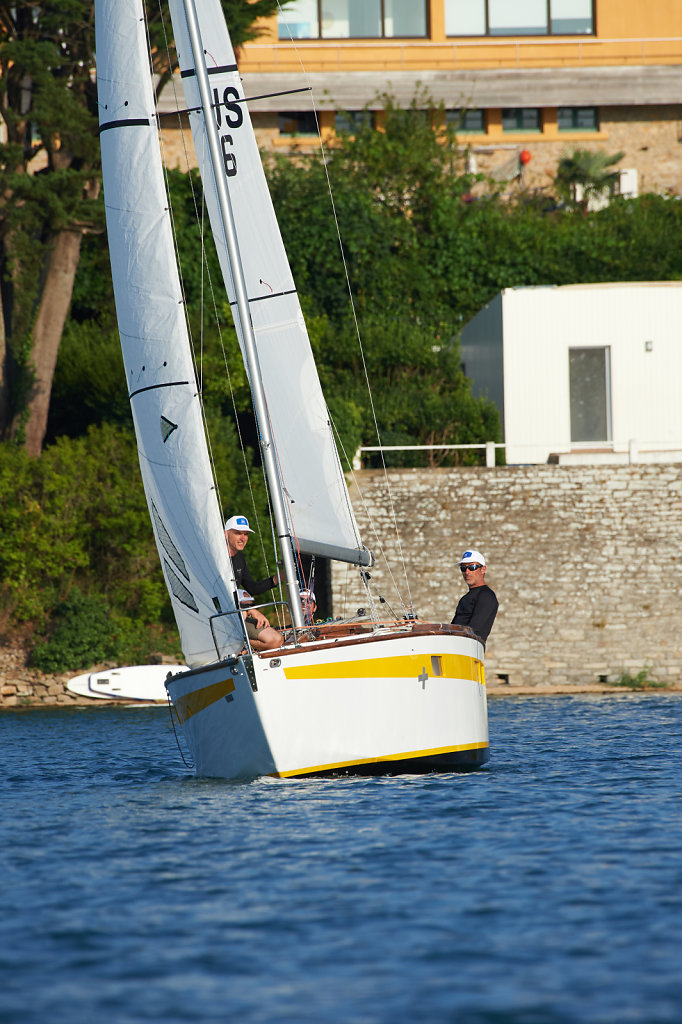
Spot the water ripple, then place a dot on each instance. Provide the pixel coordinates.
(545, 889)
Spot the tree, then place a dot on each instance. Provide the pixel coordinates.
(50, 184)
(394, 190)
(48, 193)
(583, 176)
(398, 203)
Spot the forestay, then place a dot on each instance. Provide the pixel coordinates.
(160, 374)
(311, 478)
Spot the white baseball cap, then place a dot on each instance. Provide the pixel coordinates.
(472, 556)
(308, 595)
(244, 598)
(240, 523)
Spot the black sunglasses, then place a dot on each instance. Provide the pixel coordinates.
(470, 567)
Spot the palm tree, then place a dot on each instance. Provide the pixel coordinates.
(584, 175)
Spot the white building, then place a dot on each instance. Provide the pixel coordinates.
(582, 373)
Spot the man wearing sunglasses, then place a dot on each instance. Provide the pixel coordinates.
(478, 608)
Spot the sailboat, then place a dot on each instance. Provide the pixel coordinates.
(344, 697)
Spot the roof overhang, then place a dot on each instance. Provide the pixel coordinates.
(636, 85)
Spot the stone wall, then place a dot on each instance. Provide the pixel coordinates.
(22, 687)
(585, 561)
(650, 139)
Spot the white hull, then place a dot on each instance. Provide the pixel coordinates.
(134, 683)
(399, 699)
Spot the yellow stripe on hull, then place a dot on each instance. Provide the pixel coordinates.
(197, 701)
(386, 757)
(407, 666)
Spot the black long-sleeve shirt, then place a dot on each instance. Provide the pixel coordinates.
(245, 580)
(477, 609)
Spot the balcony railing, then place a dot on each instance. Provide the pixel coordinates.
(632, 448)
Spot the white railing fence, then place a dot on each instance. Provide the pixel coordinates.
(633, 448)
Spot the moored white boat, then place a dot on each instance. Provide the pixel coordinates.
(355, 696)
(134, 683)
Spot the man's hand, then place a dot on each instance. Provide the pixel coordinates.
(256, 617)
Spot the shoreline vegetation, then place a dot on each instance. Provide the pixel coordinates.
(23, 688)
(81, 574)
(426, 245)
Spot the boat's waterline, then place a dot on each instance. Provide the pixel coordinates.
(356, 707)
(468, 755)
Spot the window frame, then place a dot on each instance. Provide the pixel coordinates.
(298, 134)
(524, 35)
(455, 118)
(577, 127)
(359, 118)
(319, 36)
(522, 129)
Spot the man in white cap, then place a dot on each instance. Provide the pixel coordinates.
(478, 608)
(261, 634)
(237, 532)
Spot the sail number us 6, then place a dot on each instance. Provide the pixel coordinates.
(234, 118)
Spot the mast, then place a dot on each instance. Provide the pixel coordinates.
(239, 282)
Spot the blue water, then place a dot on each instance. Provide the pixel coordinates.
(545, 888)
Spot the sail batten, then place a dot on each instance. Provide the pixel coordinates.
(152, 387)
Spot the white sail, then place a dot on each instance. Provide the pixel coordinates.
(160, 374)
(318, 507)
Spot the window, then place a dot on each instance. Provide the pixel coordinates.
(352, 120)
(521, 119)
(590, 391)
(577, 119)
(353, 19)
(466, 121)
(518, 17)
(297, 122)
(465, 18)
(404, 18)
(571, 17)
(299, 22)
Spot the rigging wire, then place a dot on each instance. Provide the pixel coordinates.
(377, 542)
(354, 315)
(187, 764)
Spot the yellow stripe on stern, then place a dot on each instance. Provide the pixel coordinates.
(405, 666)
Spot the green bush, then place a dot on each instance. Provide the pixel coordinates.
(78, 561)
(640, 681)
(83, 635)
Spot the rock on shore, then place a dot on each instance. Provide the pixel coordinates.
(23, 687)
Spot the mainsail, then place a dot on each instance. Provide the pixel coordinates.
(311, 478)
(160, 374)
